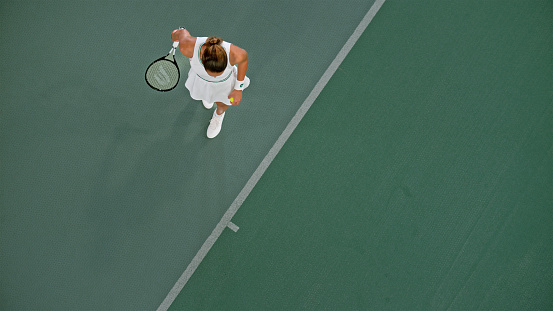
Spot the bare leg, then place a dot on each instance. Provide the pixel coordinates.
(216, 121)
(221, 108)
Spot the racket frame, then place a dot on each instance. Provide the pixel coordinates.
(169, 57)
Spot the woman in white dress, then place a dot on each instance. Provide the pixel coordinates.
(217, 73)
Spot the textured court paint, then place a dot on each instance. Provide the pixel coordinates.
(108, 188)
(225, 220)
(420, 179)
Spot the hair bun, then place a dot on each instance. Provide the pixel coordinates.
(214, 40)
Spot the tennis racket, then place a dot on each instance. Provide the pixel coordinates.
(163, 74)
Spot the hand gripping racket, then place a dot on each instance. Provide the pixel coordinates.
(163, 74)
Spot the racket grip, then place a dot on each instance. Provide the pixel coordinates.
(175, 44)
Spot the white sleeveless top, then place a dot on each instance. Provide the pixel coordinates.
(198, 67)
(202, 86)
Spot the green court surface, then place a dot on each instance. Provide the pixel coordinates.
(420, 179)
(108, 188)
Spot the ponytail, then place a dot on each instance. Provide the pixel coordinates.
(214, 56)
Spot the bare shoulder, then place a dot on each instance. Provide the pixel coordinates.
(186, 43)
(237, 55)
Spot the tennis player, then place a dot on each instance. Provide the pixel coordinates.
(217, 73)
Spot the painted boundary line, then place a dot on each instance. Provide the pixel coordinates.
(225, 221)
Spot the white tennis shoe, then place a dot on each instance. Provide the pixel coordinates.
(215, 125)
(207, 105)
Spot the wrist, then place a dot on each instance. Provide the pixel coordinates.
(239, 85)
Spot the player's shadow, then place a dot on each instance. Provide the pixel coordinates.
(147, 172)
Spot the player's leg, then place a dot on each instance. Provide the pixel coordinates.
(217, 120)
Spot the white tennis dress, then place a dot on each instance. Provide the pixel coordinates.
(202, 86)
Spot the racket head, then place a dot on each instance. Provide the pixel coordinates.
(163, 74)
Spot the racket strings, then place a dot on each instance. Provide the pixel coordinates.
(163, 75)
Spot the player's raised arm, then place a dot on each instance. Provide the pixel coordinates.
(186, 41)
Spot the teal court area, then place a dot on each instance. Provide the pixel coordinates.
(420, 178)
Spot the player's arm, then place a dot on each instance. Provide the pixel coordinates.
(186, 41)
(238, 57)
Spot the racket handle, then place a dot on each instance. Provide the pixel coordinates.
(175, 44)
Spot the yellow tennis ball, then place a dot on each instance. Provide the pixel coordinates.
(232, 99)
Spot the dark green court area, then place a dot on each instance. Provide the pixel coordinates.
(420, 179)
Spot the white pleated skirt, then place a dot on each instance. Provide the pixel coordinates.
(203, 89)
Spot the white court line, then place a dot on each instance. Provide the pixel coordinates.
(269, 157)
(232, 226)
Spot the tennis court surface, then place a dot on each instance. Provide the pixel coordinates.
(420, 178)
